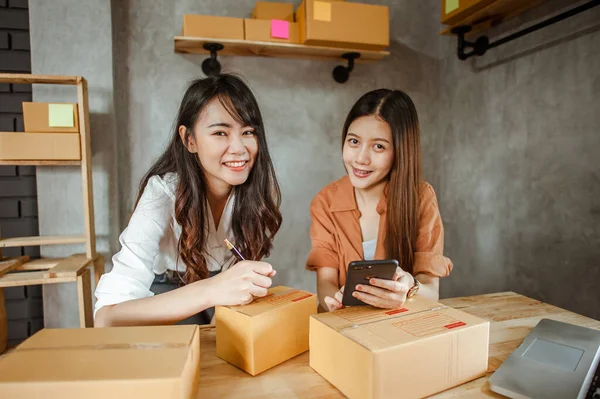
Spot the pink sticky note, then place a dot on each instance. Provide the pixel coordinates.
(280, 29)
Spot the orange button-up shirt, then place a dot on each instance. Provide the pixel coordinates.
(337, 239)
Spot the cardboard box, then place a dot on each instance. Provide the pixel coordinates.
(99, 363)
(268, 10)
(342, 24)
(453, 11)
(271, 31)
(412, 352)
(50, 117)
(19, 146)
(213, 27)
(266, 332)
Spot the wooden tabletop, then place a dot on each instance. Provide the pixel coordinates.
(511, 316)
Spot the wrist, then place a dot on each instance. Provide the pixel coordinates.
(203, 294)
(414, 288)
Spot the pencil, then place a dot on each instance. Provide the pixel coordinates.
(234, 250)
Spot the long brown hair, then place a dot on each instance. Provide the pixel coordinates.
(402, 221)
(256, 216)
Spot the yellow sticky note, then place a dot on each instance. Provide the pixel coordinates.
(60, 115)
(322, 11)
(451, 5)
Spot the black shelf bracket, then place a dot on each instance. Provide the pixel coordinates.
(342, 73)
(467, 49)
(211, 66)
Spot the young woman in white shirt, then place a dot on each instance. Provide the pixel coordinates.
(214, 181)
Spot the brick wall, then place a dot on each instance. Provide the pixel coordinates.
(18, 206)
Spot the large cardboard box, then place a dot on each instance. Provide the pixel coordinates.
(271, 31)
(19, 146)
(343, 24)
(268, 10)
(266, 332)
(99, 363)
(213, 27)
(50, 117)
(412, 352)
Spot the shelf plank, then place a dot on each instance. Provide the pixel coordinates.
(493, 14)
(30, 78)
(8, 264)
(39, 264)
(72, 266)
(40, 240)
(34, 162)
(247, 48)
(31, 278)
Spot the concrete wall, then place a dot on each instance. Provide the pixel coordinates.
(519, 148)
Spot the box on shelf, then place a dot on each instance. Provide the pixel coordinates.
(271, 31)
(41, 117)
(343, 24)
(213, 27)
(271, 10)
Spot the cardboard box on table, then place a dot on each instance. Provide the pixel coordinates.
(120, 362)
(267, 332)
(412, 352)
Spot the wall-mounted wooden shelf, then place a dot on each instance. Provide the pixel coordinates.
(247, 48)
(473, 16)
(485, 14)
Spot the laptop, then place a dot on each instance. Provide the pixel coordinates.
(556, 360)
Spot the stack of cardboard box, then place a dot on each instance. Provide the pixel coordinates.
(331, 23)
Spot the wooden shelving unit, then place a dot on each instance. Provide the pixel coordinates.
(247, 48)
(19, 271)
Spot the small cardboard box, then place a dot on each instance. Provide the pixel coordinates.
(94, 363)
(267, 332)
(213, 27)
(19, 146)
(413, 352)
(272, 31)
(342, 24)
(268, 10)
(50, 117)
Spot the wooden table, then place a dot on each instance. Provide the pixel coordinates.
(512, 317)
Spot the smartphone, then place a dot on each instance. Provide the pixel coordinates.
(361, 272)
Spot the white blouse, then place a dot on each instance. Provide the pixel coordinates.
(149, 245)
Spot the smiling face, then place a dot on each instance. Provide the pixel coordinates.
(226, 150)
(368, 152)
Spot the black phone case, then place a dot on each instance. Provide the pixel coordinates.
(360, 272)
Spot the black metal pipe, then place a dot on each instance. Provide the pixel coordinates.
(543, 24)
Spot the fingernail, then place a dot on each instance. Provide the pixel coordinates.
(355, 294)
(359, 287)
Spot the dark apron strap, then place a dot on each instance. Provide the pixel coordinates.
(163, 283)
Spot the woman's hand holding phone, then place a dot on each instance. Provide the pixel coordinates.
(387, 294)
(335, 303)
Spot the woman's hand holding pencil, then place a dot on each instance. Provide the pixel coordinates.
(239, 285)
